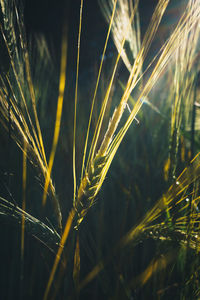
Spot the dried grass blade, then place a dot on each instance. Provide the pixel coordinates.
(104, 104)
(95, 92)
(59, 252)
(136, 69)
(57, 123)
(76, 96)
(22, 36)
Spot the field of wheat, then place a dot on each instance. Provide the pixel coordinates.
(100, 165)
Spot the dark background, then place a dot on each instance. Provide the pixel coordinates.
(47, 17)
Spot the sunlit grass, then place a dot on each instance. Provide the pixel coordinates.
(171, 79)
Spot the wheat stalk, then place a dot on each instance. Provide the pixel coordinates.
(99, 159)
(15, 87)
(125, 26)
(93, 179)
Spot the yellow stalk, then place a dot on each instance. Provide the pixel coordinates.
(24, 134)
(32, 93)
(101, 116)
(76, 95)
(30, 86)
(22, 119)
(98, 166)
(104, 104)
(173, 43)
(58, 114)
(59, 252)
(189, 20)
(136, 69)
(96, 87)
(72, 213)
(21, 92)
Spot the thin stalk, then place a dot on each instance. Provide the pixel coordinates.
(96, 87)
(193, 122)
(58, 120)
(104, 104)
(22, 36)
(76, 96)
(24, 178)
(59, 252)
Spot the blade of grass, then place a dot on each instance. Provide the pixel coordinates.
(22, 36)
(104, 104)
(59, 252)
(136, 69)
(76, 96)
(58, 117)
(96, 87)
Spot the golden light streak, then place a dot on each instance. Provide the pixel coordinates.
(60, 250)
(58, 113)
(96, 87)
(76, 96)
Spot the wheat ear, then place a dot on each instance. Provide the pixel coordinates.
(89, 187)
(99, 164)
